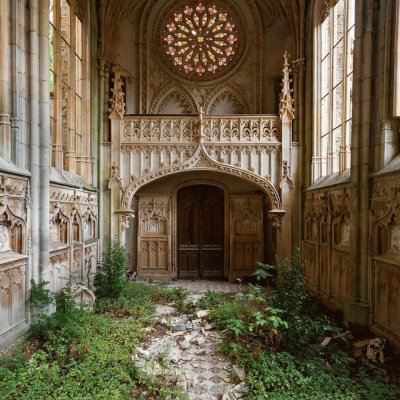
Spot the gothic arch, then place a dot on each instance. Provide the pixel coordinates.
(14, 232)
(177, 93)
(227, 94)
(200, 161)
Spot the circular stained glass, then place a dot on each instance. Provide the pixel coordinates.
(200, 40)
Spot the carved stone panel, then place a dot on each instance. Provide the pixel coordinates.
(310, 258)
(247, 236)
(12, 295)
(154, 237)
(387, 292)
(340, 264)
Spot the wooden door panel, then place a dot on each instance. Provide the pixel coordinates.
(212, 263)
(189, 263)
(200, 232)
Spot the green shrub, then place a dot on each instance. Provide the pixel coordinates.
(39, 295)
(110, 276)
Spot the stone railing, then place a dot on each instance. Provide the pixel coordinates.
(212, 129)
(152, 143)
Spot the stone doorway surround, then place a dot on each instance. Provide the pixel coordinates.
(157, 229)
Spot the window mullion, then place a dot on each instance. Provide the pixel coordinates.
(343, 141)
(331, 84)
(59, 146)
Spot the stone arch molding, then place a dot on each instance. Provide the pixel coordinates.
(226, 94)
(176, 93)
(200, 161)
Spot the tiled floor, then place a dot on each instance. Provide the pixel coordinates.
(201, 371)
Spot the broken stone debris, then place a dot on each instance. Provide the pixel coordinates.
(202, 313)
(371, 349)
(236, 392)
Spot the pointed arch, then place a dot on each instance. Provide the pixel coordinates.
(229, 96)
(174, 94)
(200, 161)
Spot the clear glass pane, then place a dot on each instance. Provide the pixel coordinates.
(51, 83)
(78, 115)
(339, 20)
(351, 13)
(65, 113)
(348, 132)
(51, 11)
(324, 145)
(66, 21)
(51, 57)
(325, 115)
(78, 124)
(325, 76)
(65, 62)
(325, 38)
(78, 75)
(350, 49)
(337, 105)
(338, 63)
(349, 97)
(78, 37)
(336, 143)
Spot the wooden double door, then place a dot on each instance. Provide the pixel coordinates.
(200, 212)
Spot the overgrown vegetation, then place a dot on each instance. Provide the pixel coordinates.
(78, 354)
(110, 279)
(276, 336)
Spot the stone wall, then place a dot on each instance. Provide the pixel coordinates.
(48, 217)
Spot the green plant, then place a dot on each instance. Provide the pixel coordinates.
(110, 276)
(39, 295)
(74, 354)
(291, 293)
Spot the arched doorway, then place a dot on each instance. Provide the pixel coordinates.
(200, 232)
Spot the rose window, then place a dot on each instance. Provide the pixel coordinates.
(200, 40)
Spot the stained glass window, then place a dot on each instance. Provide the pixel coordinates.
(200, 40)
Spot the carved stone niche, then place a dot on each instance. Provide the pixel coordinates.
(59, 228)
(387, 237)
(324, 230)
(311, 229)
(341, 231)
(12, 233)
(89, 266)
(89, 224)
(76, 228)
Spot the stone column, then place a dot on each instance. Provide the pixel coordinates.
(356, 308)
(34, 133)
(5, 93)
(44, 120)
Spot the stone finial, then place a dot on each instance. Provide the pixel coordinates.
(286, 106)
(117, 101)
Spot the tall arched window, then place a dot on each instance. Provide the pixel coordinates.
(69, 87)
(334, 44)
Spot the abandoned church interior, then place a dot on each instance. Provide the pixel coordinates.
(205, 136)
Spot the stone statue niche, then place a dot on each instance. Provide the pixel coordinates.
(11, 233)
